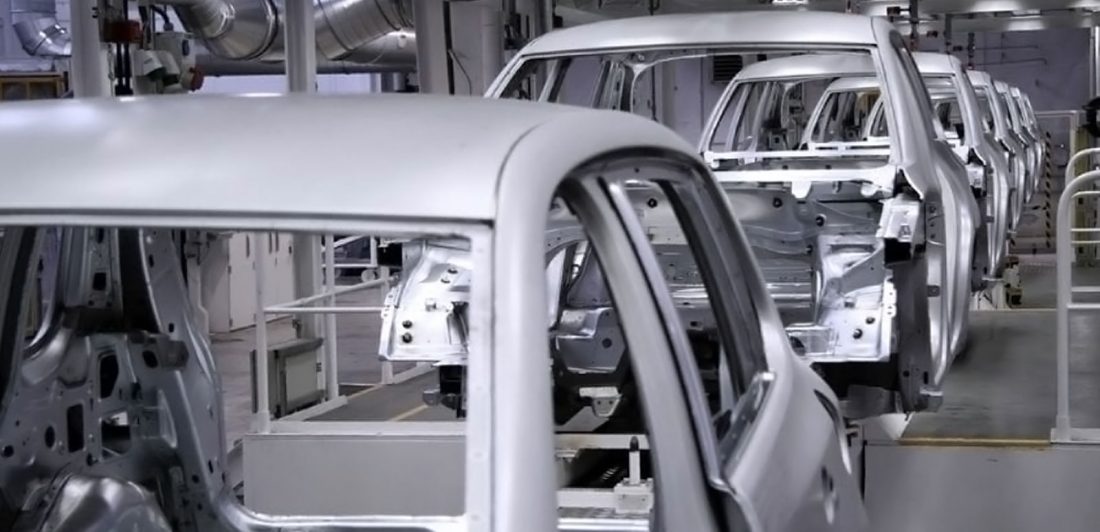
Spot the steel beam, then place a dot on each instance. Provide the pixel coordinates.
(988, 24)
(963, 7)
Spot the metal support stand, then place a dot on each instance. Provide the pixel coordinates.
(994, 297)
(262, 423)
(332, 378)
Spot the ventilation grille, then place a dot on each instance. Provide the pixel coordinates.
(725, 67)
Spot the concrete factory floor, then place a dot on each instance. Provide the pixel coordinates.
(1003, 386)
(1037, 277)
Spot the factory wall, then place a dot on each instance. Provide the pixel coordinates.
(1051, 65)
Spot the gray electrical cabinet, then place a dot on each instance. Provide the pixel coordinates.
(292, 376)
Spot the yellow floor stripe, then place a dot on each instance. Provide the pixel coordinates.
(1030, 443)
(409, 413)
(361, 393)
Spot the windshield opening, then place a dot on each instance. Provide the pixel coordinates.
(808, 111)
(986, 107)
(949, 115)
(677, 88)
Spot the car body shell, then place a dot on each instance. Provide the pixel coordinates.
(1011, 143)
(961, 216)
(934, 68)
(1031, 123)
(1019, 124)
(927, 164)
(961, 255)
(483, 170)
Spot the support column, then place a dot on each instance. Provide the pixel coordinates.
(1094, 62)
(301, 47)
(666, 93)
(970, 50)
(545, 15)
(433, 66)
(914, 26)
(947, 34)
(88, 75)
(301, 77)
(262, 419)
(492, 44)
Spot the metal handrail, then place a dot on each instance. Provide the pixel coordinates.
(1064, 252)
(323, 304)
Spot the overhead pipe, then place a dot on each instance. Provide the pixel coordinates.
(392, 53)
(346, 29)
(353, 36)
(37, 29)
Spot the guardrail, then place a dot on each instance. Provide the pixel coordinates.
(1065, 250)
(323, 303)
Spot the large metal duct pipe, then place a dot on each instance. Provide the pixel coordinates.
(362, 31)
(36, 27)
(386, 54)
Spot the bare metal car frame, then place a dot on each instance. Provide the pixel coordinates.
(997, 120)
(856, 270)
(118, 206)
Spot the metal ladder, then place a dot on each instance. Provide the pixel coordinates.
(1067, 239)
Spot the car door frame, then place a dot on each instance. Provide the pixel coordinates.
(676, 462)
(707, 220)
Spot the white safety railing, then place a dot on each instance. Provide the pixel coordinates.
(323, 303)
(1065, 250)
(372, 259)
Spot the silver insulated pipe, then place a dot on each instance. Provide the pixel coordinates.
(361, 31)
(36, 27)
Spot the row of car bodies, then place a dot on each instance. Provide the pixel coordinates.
(558, 263)
(113, 412)
(871, 245)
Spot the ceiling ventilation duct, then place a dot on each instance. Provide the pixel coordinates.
(362, 31)
(362, 35)
(36, 27)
